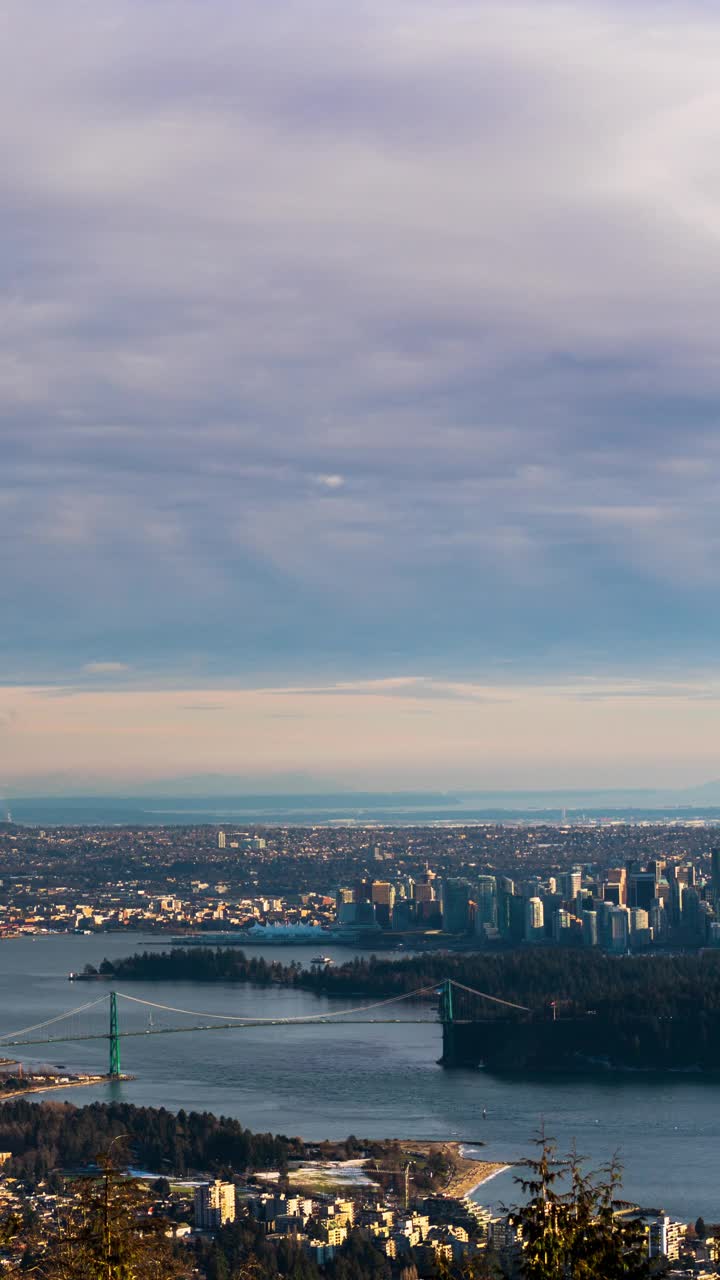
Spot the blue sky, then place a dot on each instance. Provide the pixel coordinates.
(359, 343)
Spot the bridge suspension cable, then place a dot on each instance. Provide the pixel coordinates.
(303, 1017)
(222, 1021)
(495, 999)
(38, 1026)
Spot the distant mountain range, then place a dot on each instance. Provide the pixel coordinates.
(308, 792)
(237, 805)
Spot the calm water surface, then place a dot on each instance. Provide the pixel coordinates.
(382, 1080)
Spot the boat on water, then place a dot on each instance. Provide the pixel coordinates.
(324, 960)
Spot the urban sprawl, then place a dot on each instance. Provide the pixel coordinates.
(619, 887)
(613, 886)
(426, 1232)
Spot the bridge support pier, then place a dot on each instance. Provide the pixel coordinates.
(114, 1037)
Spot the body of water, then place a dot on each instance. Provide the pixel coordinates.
(377, 1081)
(354, 809)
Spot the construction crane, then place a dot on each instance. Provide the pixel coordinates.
(403, 1173)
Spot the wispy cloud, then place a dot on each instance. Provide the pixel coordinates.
(105, 668)
(409, 688)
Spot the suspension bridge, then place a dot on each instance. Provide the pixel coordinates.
(457, 1005)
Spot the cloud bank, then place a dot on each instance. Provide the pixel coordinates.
(338, 340)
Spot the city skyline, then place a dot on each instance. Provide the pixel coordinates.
(360, 393)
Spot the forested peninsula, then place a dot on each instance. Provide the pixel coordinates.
(47, 1136)
(668, 986)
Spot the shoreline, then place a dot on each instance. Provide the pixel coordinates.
(52, 1088)
(494, 1172)
(466, 1180)
(465, 1174)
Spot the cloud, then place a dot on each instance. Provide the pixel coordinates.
(408, 688)
(455, 265)
(203, 707)
(105, 668)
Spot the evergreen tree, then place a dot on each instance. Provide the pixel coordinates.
(107, 1234)
(569, 1228)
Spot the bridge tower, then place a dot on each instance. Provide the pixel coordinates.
(114, 1037)
(448, 1024)
(446, 1001)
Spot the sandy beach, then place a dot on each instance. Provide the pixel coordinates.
(466, 1181)
(467, 1174)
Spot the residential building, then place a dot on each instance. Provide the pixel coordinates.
(214, 1204)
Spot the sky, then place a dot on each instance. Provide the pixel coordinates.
(359, 390)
